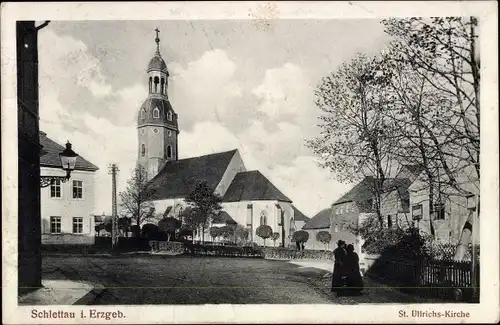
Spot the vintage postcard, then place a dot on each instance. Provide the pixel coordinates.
(250, 162)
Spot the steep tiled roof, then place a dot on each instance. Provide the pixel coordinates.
(320, 221)
(298, 215)
(252, 185)
(360, 192)
(223, 217)
(179, 178)
(50, 155)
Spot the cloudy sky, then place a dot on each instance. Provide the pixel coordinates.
(234, 84)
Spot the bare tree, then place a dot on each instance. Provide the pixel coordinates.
(353, 142)
(136, 199)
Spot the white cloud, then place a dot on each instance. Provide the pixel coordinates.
(284, 91)
(70, 59)
(204, 89)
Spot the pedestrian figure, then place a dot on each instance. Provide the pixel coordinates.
(338, 266)
(354, 280)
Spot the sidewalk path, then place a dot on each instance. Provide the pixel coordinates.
(374, 293)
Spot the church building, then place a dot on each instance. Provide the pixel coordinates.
(249, 198)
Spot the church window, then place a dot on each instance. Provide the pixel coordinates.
(157, 81)
(169, 116)
(142, 131)
(155, 130)
(150, 84)
(169, 152)
(263, 218)
(169, 133)
(143, 114)
(163, 85)
(143, 150)
(156, 113)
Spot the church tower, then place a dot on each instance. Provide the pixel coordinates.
(157, 127)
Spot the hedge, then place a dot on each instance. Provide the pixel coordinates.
(172, 247)
(293, 254)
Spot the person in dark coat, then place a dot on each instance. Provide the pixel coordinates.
(354, 280)
(338, 266)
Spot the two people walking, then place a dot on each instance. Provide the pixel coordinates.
(346, 278)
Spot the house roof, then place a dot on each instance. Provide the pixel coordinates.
(50, 155)
(223, 217)
(320, 220)
(252, 185)
(179, 178)
(360, 192)
(298, 215)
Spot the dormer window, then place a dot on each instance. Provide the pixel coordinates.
(156, 113)
(169, 116)
(143, 114)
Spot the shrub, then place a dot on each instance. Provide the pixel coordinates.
(175, 248)
(169, 225)
(226, 232)
(300, 236)
(324, 237)
(150, 231)
(264, 232)
(214, 232)
(275, 236)
(293, 254)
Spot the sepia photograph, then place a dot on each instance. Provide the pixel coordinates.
(259, 161)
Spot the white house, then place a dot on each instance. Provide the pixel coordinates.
(66, 207)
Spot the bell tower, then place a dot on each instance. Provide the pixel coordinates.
(157, 127)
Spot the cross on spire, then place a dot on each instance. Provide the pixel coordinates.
(157, 40)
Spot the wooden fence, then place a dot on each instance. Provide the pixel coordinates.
(430, 278)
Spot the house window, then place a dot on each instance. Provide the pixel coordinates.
(156, 113)
(389, 222)
(416, 211)
(77, 225)
(439, 211)
(169, 116)
(55, 188)
(55, 225)
(77, 189)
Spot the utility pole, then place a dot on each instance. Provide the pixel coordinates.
(113, 170)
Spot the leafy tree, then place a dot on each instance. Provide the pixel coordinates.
(264, 232)
(275, 236)
(150, 231)
(324, 237)
(353, 142)
(136, 199)
(205, 204)
(300, 237)
(214, 232)
(108, 225)
(169, 225)
(124, 224)
(226, 232)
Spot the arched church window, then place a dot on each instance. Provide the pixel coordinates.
(150, 84)
(156, 113)
(169, 116)
(263, 218)
(169, 133)
(169, 152)
(157, 81)
(143, 149)
(163, 85)
(143, 114)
